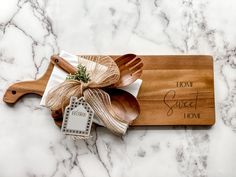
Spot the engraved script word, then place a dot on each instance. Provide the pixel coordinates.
(171, 102)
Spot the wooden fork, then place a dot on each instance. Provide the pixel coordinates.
(130, 69)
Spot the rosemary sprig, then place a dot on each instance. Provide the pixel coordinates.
(80, 75)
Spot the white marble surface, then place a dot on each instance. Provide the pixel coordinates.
(31, 31)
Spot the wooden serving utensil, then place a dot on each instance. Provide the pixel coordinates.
(130, 69)
(124, 104)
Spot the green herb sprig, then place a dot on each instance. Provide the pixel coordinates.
(80, 75)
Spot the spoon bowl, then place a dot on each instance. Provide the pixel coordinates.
(124, 105)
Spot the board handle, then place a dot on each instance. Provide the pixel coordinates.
(17, 90)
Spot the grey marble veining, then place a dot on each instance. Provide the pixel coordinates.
(31, 31)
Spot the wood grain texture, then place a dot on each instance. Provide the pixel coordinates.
(176, 90)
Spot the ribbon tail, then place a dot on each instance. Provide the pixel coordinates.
(101, 104)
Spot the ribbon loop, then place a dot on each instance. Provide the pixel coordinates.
(59, 96)
(102, 70)
(100, 101)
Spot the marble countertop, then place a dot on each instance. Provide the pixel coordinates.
(31, 31)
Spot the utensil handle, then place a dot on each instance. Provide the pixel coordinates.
(63, 64)
(67, 67)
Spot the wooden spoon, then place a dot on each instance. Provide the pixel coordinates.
(124, 105)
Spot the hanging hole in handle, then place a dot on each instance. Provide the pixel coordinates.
(56, 60)
(13, 92)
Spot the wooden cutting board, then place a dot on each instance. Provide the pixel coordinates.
(176, 90)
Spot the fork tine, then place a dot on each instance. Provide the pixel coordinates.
(130, 67)
(130, 55)
(136, 67)
(129, 80)
(132, 79)
(133, 62)
(124, 59)
(137, 73)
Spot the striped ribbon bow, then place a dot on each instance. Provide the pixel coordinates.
(103, 72)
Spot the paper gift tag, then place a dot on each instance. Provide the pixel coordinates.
(78, 118)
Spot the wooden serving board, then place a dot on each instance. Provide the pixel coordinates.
(176, 90)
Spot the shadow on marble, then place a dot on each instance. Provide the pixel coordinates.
(172, 127)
